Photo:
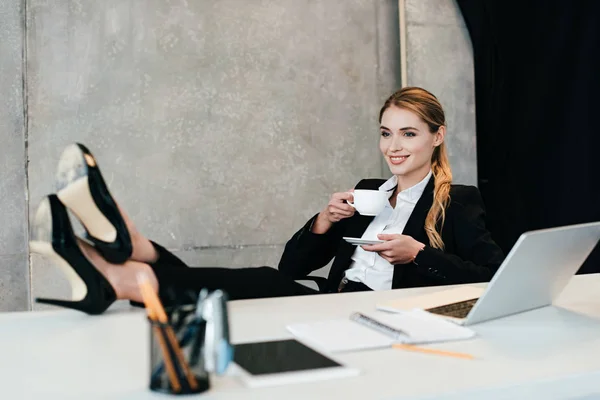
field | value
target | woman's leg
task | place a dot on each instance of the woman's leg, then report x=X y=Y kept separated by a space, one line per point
x=142 y=249
x=174 y=276
x=173 y=279
x=122 y=277
x=173 y=283
x=238 y=283
x=84 y=191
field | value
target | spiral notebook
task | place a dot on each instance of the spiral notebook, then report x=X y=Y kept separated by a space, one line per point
x=378 y=330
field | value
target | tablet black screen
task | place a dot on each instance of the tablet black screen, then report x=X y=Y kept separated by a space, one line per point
x=262 y=358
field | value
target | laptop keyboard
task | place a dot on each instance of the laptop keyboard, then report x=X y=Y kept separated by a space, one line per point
x=456 y=310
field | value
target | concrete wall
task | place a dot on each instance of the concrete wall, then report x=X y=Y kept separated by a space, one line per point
x=219 y=126
x=14 y=265
x=439 y=57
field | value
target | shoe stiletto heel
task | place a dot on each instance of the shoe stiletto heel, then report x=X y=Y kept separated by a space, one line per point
x=82 y=189
x=52 y=236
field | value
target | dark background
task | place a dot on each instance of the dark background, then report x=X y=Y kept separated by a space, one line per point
x=537 y=78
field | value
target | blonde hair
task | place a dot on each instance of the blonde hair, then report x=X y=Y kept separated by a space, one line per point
x=429 y=109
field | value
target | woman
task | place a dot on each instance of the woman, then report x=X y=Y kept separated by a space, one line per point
x=433 y=232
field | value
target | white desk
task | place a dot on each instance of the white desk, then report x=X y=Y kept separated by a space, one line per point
x=551 y=351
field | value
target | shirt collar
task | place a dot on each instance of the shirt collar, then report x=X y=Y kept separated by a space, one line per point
x=410 y=195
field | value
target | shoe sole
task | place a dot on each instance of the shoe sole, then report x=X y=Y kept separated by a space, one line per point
x=78 y=287
x=74 y=193
x=42 y=245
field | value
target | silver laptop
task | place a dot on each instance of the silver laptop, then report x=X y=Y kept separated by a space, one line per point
x=534 y=273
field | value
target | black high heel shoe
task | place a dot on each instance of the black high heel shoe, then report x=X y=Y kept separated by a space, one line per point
x=81 y=188
x=52 y=236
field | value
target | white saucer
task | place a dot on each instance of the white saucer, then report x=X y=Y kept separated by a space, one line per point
x=358 y=241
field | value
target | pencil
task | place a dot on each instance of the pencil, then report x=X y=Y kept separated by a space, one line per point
x=409 y=347
x=161 y=340
x=152 y=301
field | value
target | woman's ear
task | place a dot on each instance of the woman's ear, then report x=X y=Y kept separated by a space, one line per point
x=439 y=136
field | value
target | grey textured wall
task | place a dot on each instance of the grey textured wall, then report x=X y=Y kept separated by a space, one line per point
x=14 y=265
x=219 y=126
x=439 y=57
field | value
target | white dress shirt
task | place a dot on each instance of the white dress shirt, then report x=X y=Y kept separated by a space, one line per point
x=369 y=267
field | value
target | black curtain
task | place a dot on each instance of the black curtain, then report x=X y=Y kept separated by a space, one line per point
x=537 y=78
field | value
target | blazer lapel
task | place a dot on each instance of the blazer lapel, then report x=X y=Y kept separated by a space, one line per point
x=415 y=226
x=357 y=225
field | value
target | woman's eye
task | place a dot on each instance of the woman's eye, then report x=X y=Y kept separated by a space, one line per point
x=409 y=134
x=385 y=134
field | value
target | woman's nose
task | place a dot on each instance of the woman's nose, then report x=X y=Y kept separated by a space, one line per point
x=396 y=144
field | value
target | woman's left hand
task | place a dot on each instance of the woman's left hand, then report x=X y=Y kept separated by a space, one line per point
x=397 y=249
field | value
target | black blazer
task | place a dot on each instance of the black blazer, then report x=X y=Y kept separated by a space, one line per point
x=470 y=254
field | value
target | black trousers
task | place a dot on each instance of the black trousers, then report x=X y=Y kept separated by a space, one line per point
x=175 y=279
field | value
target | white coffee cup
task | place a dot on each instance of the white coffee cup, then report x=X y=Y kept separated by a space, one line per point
x=369 y=202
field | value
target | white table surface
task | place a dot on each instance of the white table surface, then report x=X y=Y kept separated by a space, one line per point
x=550 y=353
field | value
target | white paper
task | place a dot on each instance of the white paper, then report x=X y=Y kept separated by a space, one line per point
x=339 y=335
x=346 y=335
x=424 y=327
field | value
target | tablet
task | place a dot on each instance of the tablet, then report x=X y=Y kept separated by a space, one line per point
x=282 y=362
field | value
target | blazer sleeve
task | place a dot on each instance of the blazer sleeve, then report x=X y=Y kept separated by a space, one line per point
x=306 y=251
x=477 y=257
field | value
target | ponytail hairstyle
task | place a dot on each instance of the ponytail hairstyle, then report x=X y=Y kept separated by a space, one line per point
x=429 y=109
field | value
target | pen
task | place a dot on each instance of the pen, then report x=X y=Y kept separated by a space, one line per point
x=409 y=347
x=378 y=326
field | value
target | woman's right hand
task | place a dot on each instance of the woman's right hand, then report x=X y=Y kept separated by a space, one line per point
x=336 y=210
